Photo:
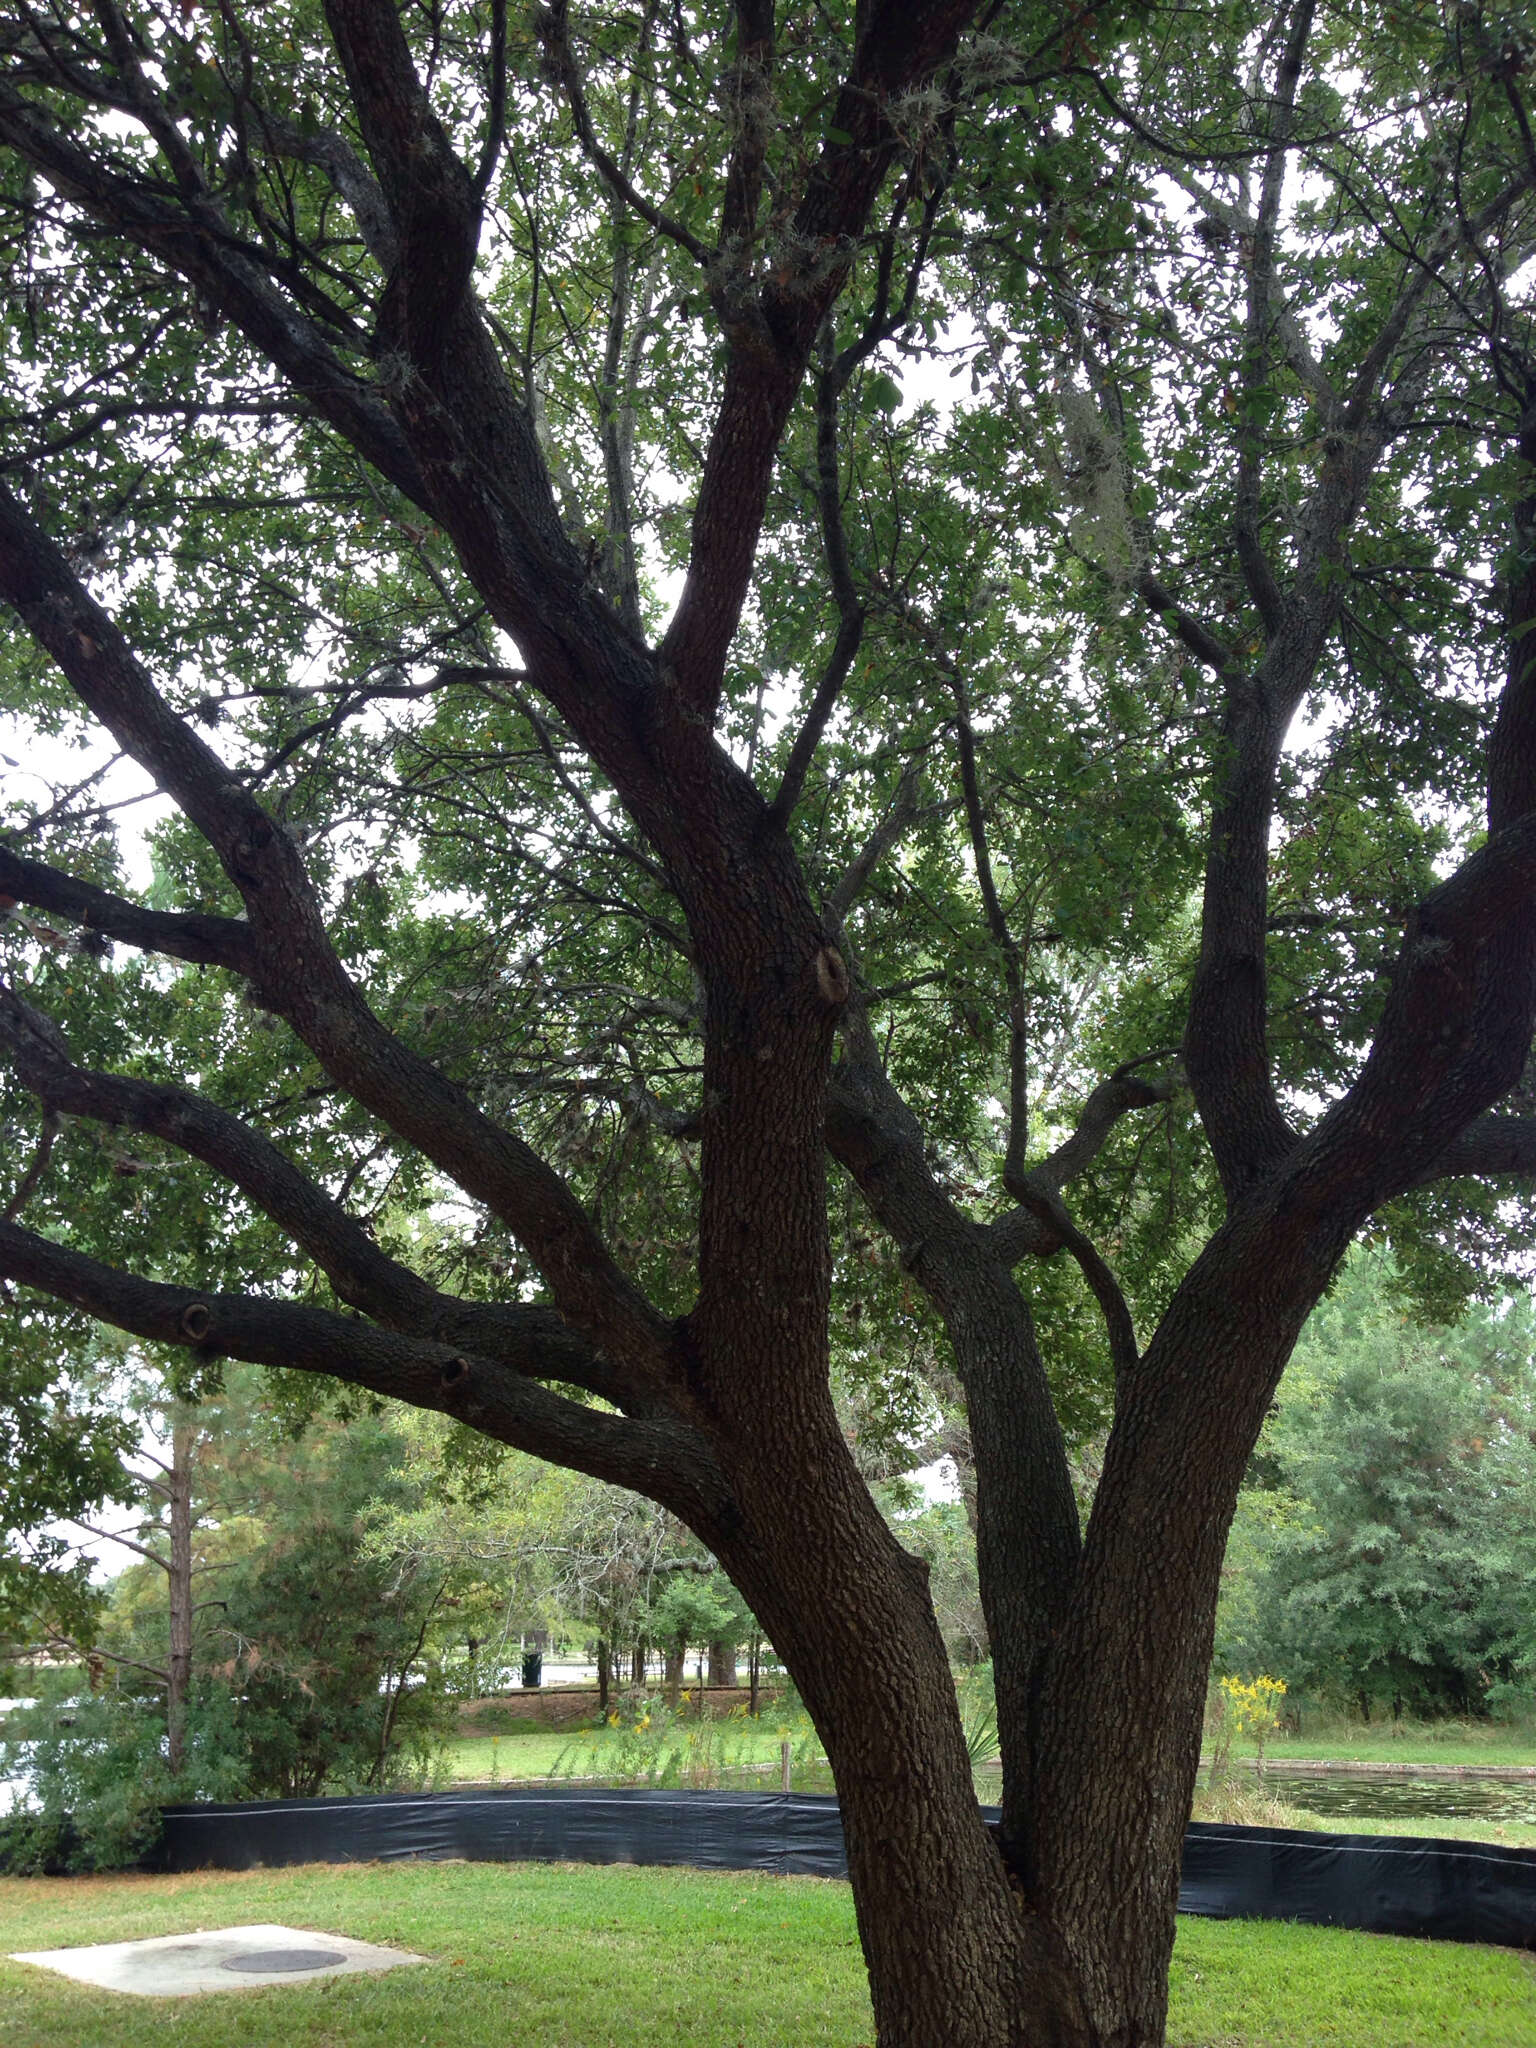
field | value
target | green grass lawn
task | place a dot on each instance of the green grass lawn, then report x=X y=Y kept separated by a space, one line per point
x=563 y=1956
x=513 y=1759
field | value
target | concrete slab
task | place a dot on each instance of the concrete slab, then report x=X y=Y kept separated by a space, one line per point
x=226 y=1959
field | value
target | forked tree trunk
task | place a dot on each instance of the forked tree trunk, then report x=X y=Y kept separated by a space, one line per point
x=1067 y=1944
x=953 y=1957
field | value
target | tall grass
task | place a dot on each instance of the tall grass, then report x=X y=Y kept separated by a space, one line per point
x=645 y=1743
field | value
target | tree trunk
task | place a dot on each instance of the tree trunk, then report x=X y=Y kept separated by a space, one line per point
x=179 y=1668
x=637 y=1663
x=604 y=1674
x=754 y=1670
x=1067 y=1944
x=676 y=1656
x=722 y=1663
x=1118 y=1721
x=954 y=1954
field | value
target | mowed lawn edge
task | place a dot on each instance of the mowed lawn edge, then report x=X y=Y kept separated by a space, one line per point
x=581 y=1956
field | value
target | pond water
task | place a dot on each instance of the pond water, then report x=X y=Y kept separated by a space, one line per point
x=1369 y=1797
x=1344 y=1797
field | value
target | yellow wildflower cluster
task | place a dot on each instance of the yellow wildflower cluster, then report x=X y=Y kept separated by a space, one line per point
x=1254 y=1703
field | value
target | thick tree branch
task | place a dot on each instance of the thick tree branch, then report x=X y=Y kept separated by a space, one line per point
x=204 y=940
x=1489 y=1148
x=1113 y=1098
x=1455 y=1034
x=429 y=193
x=530 y=1340
x=1195 y=635
x=771 y=330
x=227 y=275
x=1027 y=1533
x=1052 y=1211
x=752 y=110
x=496 y=110
x=1259 y=339
x=296 y=971
x=348 y=174
x=668 y=1462
x=474 y=440
x=1042 y=1222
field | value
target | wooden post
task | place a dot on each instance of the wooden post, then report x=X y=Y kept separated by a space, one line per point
x=784 y=1765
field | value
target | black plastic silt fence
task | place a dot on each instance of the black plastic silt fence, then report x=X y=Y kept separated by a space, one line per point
x=1453 y=1891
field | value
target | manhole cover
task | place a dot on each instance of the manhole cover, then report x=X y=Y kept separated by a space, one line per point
x=274 y=1959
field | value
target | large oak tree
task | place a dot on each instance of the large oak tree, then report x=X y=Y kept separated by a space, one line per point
x=626 y=742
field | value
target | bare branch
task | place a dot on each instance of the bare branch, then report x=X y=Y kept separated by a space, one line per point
x=127 y=1542
x=553 y=24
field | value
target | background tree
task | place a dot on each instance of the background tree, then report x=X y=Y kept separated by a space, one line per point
x=531 y=1547
x=62 y=1445
x=264 y=1645
x=1381 y=1555
x=619 y=746
x=324 y=1638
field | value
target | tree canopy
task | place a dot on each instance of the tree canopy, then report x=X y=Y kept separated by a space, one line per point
x=545 y=717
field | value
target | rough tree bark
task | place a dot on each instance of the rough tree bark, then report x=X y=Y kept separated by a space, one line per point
x=1057 y=1933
